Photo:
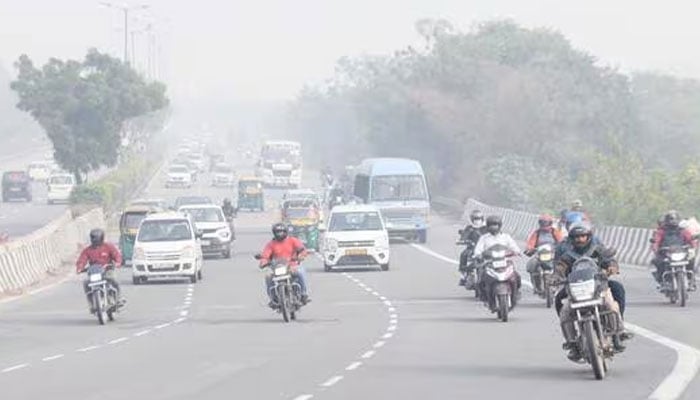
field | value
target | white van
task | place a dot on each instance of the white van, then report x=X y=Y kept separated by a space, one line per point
x=60 y=185
x=167 y=246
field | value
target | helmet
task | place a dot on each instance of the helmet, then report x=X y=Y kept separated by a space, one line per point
x=545 y=221
x=494 y=224
x=97 y=237
x=577 y=205
x=672 y=219
x=578 y=231
x=279 y=231
x=227 y=202
x=477 y=218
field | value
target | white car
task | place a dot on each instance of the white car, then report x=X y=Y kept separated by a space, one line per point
x=197 y=159
x=179 y=175
x=355 y=236
x=217 y=236
x=39 y=170
x=167 y=246
x=60 y=185
x=223 y=175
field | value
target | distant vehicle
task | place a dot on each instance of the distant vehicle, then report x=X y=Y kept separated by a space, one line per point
x=60 y=186
x=197 y=159
x=16 y=185
x=214 y=160
x=191 y=200
x=223 y=175
x=217 y=236
x=179 y=175
x=280 y=163
x=167 y=246
x=398 y=187
x=39 y=170
x=160 y=203
x=356 y=236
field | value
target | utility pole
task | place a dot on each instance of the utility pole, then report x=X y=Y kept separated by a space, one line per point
x=125 y=8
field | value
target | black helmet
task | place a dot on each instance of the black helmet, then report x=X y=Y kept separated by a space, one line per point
x=477 y=218
x=97 y=237
x=672 y=219
x=579 y=229
x=279 y=231
x=494 y=224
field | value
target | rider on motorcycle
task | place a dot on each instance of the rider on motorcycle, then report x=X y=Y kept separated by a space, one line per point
x=470 y=236
x=670 y=234
x=544 y=234
x=494 y=237
x=104 y=254
x=283 y=246
x=582 y=243
x=228 y=209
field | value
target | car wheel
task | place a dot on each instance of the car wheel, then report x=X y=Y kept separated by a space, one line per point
x=384 y=267
x=199 y=274
x=49 y=202
x=193 y=278
x=135 y=280
x=227 y=252
x=422 y=236
x=327 y=267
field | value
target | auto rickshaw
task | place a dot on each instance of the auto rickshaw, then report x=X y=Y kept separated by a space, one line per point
x=128 y=228
x=302 y=219
x=250 y=194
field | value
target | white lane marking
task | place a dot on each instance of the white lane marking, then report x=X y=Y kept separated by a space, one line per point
x=147 y=331
x=687 y=362
x=392 y=309
x=375 y=293
x=51 y=358
x=161 y=326
x=89 y=348
x=387 y=303
x=368 y=354
x=121 y=339
x=387 y=335
x=332 y=381
x=391 y=328
x=183 y=313
x=181 y=319
x=382 y=298
x=353 y=366
x=14 y=368
x=379 y=344
x=304 y=397
x=393 y=316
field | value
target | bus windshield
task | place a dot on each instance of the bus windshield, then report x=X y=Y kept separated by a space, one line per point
x=398 y=188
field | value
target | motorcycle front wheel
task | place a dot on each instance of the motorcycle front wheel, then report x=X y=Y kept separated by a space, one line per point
x=593 y=350
x=503 y=307
x=283 y=299
x=99 y=307
x=683 y=287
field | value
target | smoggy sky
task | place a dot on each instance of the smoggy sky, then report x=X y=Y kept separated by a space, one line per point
x=267 y=49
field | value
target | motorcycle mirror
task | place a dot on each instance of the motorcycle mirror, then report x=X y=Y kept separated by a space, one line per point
x=651 y=240
x=257 y=256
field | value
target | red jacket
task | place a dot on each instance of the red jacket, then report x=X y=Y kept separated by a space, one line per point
x=286 y=249
x=660 y=233
x=104 y=254
x=557 y=234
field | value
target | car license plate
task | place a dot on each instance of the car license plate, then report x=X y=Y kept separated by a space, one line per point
x=205 y=243
x=356 y=252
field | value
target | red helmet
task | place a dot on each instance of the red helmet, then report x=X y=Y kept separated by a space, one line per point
x=545 y=220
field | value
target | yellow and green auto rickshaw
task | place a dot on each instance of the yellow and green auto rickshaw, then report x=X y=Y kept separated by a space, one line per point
x=128 y=228
x=302 y=217
x=250 y=194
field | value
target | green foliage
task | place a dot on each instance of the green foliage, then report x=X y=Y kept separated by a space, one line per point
x=83 y=106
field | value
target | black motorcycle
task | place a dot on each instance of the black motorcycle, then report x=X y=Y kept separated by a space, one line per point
x=678 y=277
x=102 y=294
x=285 y=289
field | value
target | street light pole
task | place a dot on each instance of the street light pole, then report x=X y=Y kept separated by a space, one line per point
x=125 y=8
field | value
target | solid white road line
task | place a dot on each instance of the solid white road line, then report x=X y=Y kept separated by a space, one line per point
x=353 y=366
x=332 y=381
x=688 y=357
x=51 y=358
x=14 y=368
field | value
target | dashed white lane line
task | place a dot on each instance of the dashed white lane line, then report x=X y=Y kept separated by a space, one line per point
x=368 y=354
x=51 y=358
x=120 y=340
x=89 y=348
x=353 y=366
x=181 y=319
x=304 y=397
x=687 y=362
x=161 y=326
x=145 y=332
x=14 y=368
x=387 y=335
x=332 y=381
x=379 y=344
x=183 y=313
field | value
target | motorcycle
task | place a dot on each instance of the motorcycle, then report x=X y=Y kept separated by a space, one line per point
x=597 y=328
x=286 y=289
x=102 y=294
x=545 y=269
x=677 y=277
x=499 y=281
x=470 y=275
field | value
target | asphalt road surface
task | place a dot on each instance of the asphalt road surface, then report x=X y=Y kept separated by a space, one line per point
x=408 y=333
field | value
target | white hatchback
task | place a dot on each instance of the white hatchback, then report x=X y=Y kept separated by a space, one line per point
x=60 y=186
x=356 y=236
x=167 y=246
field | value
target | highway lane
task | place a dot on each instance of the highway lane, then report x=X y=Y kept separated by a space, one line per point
x=430 y=340
x=18 y=217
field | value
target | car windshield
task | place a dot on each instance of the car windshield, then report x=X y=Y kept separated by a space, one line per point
x=182 y=201
x=180 y=169
x=164 y=231
x=298 y=212
x=355 y=221
x=398 y=188
x=61 y=180
x=133 y=220
x=205 y=214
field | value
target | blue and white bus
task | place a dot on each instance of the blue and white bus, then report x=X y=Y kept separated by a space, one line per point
x=397 y=186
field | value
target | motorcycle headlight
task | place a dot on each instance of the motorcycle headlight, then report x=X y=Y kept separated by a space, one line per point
x=679 y=256
x=95 y=277
x=188 y=252
x=279 y=271
x=582 y=291
x=546 y=257
x=498 y=254
x=331 y=244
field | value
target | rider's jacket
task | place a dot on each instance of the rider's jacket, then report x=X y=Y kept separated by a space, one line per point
x=672 y=237
x=566 y=254
x=289 y=249
x=472 y=234
x=487 y=241
x=103 y=254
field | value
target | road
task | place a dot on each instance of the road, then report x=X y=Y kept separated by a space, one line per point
x=407 y=333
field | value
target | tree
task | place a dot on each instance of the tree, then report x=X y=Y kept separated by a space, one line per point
x=83 y=106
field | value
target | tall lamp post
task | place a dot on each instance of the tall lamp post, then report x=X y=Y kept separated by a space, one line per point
x=125 y=8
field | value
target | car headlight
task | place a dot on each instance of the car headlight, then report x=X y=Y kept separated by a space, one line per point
x=139 y=254
x=188 y=252
x=331 y=245
x=224 y=233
